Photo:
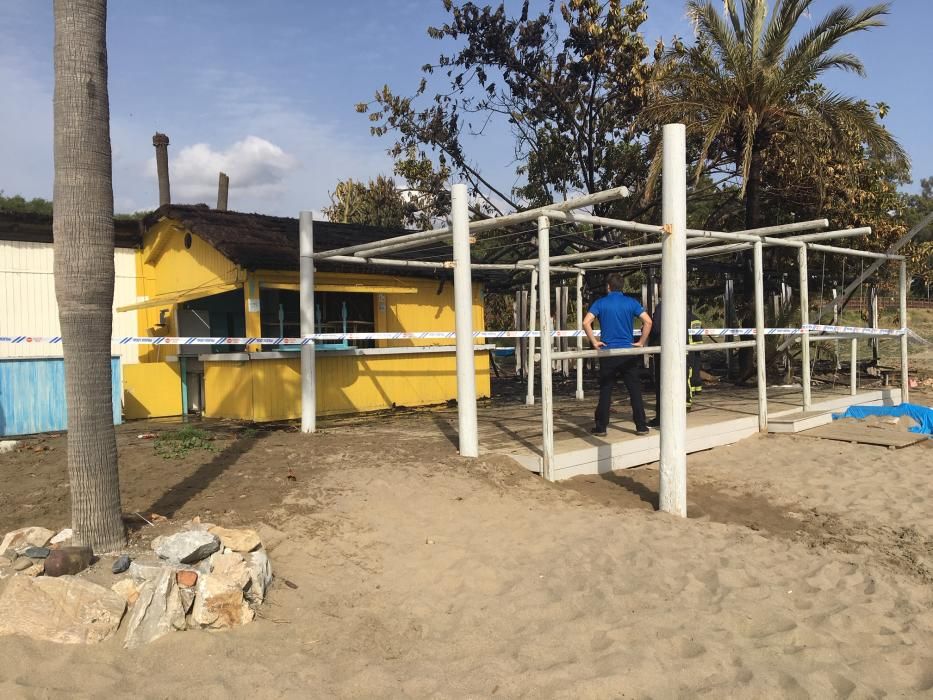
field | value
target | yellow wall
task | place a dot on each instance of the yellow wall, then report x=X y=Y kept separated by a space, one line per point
x=268 y=390
x=165 y=266
x=151 y=390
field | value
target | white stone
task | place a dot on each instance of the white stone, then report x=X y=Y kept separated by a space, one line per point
x=186 y=547
x=219 y=603
x=20 y=540
x=8 y=446
x=158 y=611
x=260 y=574
x=66 y=609
x=63 y=536
x=146 y=571
x=231 y=566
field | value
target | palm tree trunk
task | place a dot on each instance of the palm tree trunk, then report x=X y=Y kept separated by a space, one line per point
x=84 y=267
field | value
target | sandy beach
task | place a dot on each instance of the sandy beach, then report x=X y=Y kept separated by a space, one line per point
x=803 y=571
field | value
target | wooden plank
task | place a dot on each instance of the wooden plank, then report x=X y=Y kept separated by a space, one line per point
x=866 y=435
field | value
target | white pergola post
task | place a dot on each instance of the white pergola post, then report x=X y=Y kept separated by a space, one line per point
x=544 y=300
x=853 y=367
x=760 y=360
x=902 y=295
x=532 y=325
x=463 y=321
x=306 y=311
x=579 y=337
x=673 y=463
x=804 y=321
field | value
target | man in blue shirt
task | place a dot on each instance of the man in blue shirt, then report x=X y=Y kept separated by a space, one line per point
x=616 y=313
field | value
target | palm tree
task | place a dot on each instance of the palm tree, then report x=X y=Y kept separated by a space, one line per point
x=84 y=270
x=743 y=83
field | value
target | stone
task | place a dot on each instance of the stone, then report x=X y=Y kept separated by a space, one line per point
x=22 y=564
x=260 y=575
x=64 y=536
x=237 y=540
x=8 y=446
x=5 y=562
x=187 y=598
x=231 y=566
x=186 y=578
x=158 y=611
x=65 y=610
x=146 y=571
x=219 y=603
x=18 y=540
x=186 y=547
x=37 y=552
x=68 y=560
x=36 y=569
x=121 y=564
x=127 y=589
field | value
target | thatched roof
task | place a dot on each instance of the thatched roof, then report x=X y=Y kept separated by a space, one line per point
x=37 y=228
x=261 y=242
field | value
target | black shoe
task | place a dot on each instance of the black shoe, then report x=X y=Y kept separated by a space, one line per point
x=642 y=431
x=654 y=423
x=598 y=432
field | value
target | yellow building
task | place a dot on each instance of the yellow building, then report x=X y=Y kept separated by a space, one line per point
x=209 y=273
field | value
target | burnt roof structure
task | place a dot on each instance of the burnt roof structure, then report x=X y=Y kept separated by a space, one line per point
x=30 y=227
x=262 y=242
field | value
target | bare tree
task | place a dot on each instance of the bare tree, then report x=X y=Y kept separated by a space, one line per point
x=84 y=267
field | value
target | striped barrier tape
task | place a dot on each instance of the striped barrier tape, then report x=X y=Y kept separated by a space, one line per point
x=441 y=335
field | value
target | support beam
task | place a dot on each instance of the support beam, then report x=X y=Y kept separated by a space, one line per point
x=853 y=367
x=306 y=313
x=463 y=322
x=903 y=284
x=804 y=320
x=544 y=299
x=875 y=266
x=579 y=337
x=532 y=326
x=673 y=453
x=760 y=360
x=413 y=240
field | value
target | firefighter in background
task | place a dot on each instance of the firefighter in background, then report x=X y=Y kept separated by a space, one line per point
x=694 y=382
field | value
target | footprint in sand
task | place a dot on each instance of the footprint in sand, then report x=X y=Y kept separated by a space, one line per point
x=600 y=642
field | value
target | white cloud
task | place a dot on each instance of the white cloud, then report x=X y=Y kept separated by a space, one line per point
x=255 y=166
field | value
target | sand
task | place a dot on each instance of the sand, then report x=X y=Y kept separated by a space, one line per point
x=804 y=572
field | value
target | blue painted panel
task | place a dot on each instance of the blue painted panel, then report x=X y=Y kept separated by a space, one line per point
x=32 y=395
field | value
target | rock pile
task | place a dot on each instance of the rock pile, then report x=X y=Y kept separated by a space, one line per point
x=202 y=577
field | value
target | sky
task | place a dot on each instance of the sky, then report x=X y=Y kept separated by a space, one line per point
x=265 y=91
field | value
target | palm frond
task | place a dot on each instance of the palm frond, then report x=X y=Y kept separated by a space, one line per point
x=711 y=24
x=836 y=25
x=845 y=114
x=782 y=24
x=750 y=124
x=755 y=12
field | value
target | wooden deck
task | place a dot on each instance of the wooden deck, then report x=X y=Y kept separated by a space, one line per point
x=721 y=416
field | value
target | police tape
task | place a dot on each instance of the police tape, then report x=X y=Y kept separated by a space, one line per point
x=323 y=338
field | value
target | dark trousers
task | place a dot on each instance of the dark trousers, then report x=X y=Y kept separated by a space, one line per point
x=610 y=368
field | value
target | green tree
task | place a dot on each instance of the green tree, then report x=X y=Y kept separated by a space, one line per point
x=378 y=203
x=743 y=85
x=84 y=267
x=17 y=203
x=569 y=84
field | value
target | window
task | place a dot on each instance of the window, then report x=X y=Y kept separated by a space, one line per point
x=335 y=312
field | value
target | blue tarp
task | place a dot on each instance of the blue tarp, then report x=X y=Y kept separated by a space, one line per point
x=922 y=415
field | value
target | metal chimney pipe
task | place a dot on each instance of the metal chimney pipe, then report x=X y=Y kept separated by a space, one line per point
x=160 y=141
x=223 y=187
